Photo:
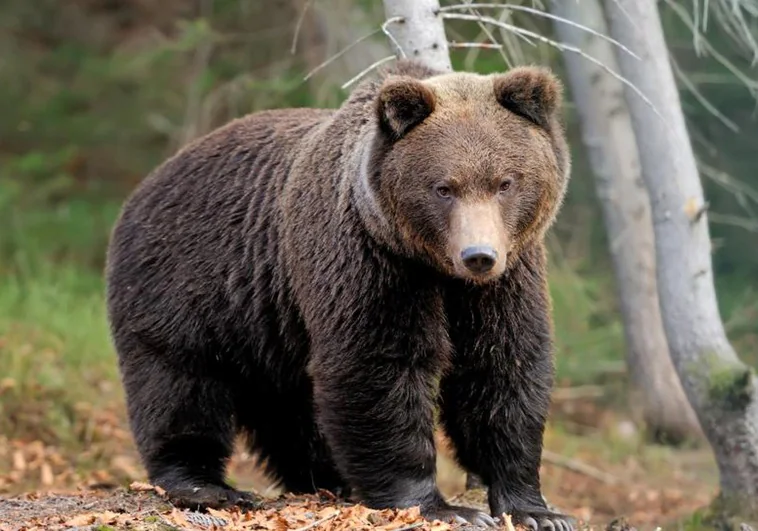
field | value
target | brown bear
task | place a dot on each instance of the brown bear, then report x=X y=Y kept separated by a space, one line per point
x=327 y=281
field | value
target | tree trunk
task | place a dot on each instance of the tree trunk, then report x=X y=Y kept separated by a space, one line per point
x=719 y=386
x=609 y=139
x=420 y=33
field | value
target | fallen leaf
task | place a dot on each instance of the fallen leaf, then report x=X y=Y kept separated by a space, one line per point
x=81 y=520
x=140 y=486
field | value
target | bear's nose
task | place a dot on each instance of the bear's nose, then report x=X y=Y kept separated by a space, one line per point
x=479 y=259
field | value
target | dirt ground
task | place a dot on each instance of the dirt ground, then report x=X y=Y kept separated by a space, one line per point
x=592 y=469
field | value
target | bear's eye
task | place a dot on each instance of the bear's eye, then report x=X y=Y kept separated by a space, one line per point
x=444 y=191
x=505 y=185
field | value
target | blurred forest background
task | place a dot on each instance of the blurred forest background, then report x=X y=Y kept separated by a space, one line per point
x=95 y=93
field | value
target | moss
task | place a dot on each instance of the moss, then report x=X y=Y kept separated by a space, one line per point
x=726 y=384
x=725 y=513
x=731 y=386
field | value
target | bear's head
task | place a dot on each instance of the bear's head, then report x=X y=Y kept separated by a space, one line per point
x=468 y=170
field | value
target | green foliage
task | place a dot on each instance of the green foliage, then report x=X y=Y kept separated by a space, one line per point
x=54 y=344
x=589 y=336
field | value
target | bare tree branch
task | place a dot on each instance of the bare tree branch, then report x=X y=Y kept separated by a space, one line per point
x=483 y=45
x=578 y=466
x=350 y=46
x=684 y=16
x=728 y=182
x=735 y=221
x=299 y=26
x=699 y=96
x=560 y=46
x=542 y=14
x=730 y=15
x=389 y=35
x=368 y=69
x=488 y=33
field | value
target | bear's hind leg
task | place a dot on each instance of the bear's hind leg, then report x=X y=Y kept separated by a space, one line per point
x=183 y=427
x=288 y=441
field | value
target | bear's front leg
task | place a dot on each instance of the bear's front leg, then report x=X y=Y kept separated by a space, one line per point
x=495 y=399
x=374 y=387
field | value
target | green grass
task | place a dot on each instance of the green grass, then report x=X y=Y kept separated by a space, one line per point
x=53 y=327
x=55 y=349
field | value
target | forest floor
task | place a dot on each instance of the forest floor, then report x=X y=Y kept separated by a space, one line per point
x=596 y=467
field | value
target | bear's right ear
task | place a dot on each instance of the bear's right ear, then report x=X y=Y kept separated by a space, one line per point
x=402 y=104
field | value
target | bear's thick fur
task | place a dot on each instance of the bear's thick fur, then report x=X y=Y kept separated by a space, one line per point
x=325 y=280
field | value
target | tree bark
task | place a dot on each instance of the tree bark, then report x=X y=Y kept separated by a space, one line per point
x=420 y=33
x=720 y=387
x=609 y=139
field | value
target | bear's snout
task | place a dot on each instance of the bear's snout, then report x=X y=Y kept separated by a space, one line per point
x=479 y=259
x=479 y=240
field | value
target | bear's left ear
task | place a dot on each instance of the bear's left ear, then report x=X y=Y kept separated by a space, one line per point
x=403 y=103
x=530 y=91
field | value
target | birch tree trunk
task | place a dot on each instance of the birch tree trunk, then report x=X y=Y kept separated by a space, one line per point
x=420 y=32
x=720 y=387
x=609 y=138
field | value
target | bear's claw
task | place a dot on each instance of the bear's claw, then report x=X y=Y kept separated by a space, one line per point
x=460 y=515
x=546 y=523
x=211 y=496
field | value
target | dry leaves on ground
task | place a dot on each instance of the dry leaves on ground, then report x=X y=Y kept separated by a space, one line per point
x=138 y=509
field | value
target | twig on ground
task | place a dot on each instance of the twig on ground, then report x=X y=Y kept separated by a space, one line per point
x=409 y=527
x=578 y=466
x=318 y=522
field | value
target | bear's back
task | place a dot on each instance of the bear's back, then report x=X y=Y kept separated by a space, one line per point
x=193 y=256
